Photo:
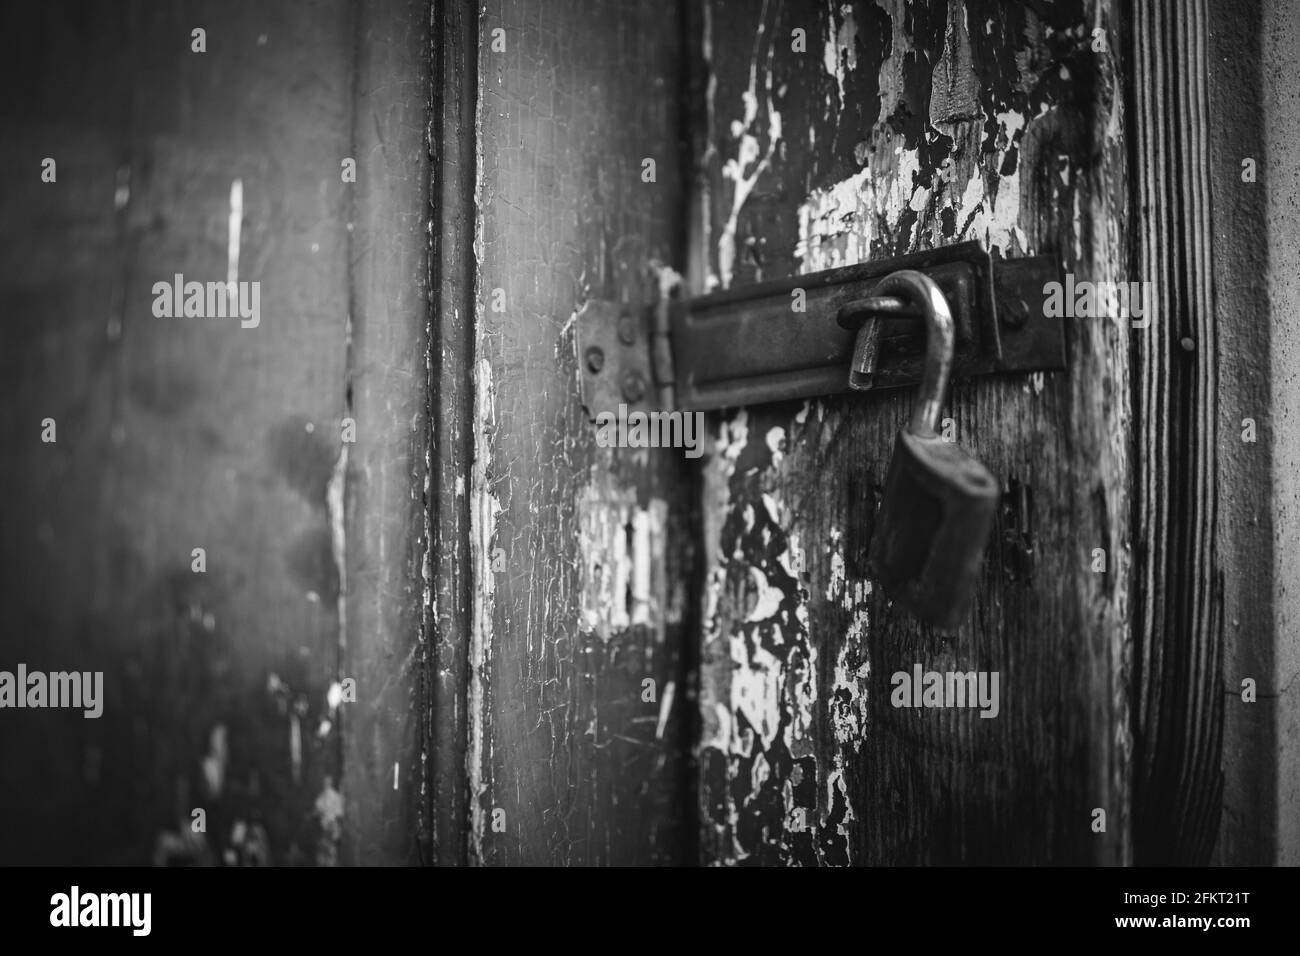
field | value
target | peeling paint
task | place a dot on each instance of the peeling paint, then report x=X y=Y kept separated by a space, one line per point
x=759 y=687
x=776 y=443
x=732 y=438
x=840 y=53
x=956 y=174
x=835 y=579
x=839 y=815
x=649 y=542
x=235 y=224
x=669 y=280
x=750 y=161
x=485 y=508
x=931 y=124
x=216 y=761
x=769 y=598
x=665 y=708
x=992 y=215
x=848 y=698
x=622 y=546
x=756 y=693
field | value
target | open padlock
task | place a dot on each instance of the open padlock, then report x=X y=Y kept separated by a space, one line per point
x=939 y=501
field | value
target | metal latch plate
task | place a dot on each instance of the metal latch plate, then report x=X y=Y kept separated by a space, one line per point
x=749 y=346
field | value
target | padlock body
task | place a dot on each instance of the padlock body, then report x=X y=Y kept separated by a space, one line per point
x=932 y=527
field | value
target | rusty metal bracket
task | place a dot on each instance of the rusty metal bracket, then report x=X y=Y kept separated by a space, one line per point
x=794 y=338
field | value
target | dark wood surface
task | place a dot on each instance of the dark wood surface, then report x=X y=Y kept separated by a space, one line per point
x=385 y=538
x=183 y=433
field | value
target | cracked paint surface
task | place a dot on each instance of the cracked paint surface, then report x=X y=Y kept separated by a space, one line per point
x=484 y=512
x=905 y=126
x=751 y=158
x=957 y=175
x=759 y=681
x=577 y=674
x=915 y=136
x=621 y=543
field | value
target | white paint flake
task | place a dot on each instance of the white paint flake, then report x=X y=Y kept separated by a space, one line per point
x=840 y=52
x=756 y=688
x=485 y=509
x=775 y=441
x=848 y=698
x=768 y=600
x=750 y=160
x=835 y=580
x=235 y=224
x=623 y=579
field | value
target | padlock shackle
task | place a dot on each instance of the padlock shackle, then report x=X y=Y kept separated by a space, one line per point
x=922 y=291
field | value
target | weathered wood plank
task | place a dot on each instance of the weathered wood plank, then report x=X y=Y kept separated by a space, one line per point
x=578 y=597
x=381 y=495
x=453 y=142
x=892 y=128
x=173 y=433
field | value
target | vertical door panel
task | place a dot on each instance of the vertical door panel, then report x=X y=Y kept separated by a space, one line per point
x=838 y=133
x=577 y=599
x=174 y=433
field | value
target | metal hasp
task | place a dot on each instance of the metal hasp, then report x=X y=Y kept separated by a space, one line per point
x=753 y=345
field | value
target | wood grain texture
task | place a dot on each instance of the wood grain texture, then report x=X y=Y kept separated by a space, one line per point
x=383 y=479
x=578 y=593
x=1178 y=781
x=902 y=127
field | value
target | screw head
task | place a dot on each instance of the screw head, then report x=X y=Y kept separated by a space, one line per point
x=627 y=329
x=1013 y=312
x=633 y=387
x=595 y=359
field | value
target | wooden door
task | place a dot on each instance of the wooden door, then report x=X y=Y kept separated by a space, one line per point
x=653 y=660
x=828 y=134
x=559 y=653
